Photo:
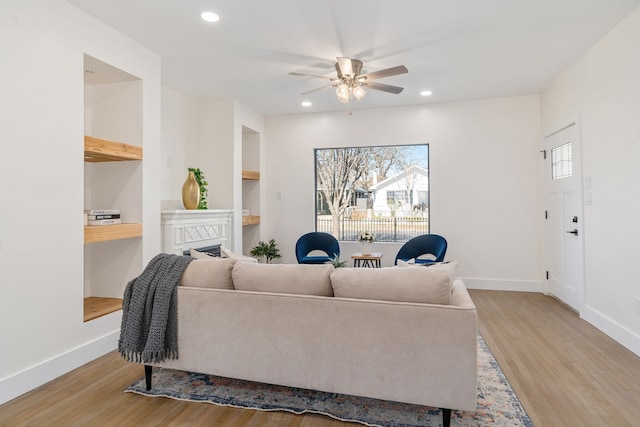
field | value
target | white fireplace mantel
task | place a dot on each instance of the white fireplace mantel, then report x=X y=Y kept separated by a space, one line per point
x=186 y=229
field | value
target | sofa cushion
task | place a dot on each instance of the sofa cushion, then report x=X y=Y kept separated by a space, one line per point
x=209 y=272
x=284 y=278
x=421 y=285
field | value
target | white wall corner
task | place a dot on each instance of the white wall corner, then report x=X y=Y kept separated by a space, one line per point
x=35 y=376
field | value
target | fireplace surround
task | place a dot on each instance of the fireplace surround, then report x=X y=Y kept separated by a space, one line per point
x=203 y=229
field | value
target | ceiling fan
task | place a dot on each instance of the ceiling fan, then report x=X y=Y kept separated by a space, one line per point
x=350 y=82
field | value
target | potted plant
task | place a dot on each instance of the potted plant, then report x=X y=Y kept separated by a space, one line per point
x=335 y=261
x=267 y=250
x=366 y=239
x=202 y=183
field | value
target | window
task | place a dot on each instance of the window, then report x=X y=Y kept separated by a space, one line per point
x=383 y=190
x=561 y=161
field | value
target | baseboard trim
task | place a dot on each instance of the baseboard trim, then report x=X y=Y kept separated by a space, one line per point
x=504 y=285
x=618 y=332
x=37 y=375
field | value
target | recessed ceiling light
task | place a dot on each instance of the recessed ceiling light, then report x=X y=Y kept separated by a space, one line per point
x=426 y=93
x=210 y=16
x=306 y=104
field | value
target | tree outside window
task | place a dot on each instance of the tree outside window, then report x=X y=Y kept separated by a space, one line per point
x=382 y=189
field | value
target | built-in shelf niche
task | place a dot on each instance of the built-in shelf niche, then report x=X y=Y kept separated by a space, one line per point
x=113 y=180
x=251 y=188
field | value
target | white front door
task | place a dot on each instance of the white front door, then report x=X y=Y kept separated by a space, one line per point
x=564 y=216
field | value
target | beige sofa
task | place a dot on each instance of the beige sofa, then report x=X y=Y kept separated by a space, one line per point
x=400 y=334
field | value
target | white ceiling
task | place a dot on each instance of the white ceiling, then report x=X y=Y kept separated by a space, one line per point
x=459 y=49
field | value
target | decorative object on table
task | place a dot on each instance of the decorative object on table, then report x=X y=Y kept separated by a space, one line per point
x=497 y=405
x=191 y=192
x=366 y=239
x=267 y=250
x=335 y=261
x=202 y=183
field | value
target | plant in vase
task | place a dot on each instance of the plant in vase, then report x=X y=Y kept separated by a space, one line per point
x=268 y=250
x=202 y=182
x=366 y=239
x=335 y=261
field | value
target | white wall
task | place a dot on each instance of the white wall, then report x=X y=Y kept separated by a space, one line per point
x=206 y=134
x=179 y=136
x=603 y=88
x=483 y=171
x=41 y=175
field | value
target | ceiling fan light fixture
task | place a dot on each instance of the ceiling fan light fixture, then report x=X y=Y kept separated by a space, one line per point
x=351 y=80
x=344 y=93
x=359 y=92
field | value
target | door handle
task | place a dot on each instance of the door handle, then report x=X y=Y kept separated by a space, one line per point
x=574 y=231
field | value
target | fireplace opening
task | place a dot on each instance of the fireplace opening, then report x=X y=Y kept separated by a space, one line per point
x=213 y=250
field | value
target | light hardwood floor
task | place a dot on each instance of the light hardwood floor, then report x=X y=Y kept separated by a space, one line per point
x=565 y=372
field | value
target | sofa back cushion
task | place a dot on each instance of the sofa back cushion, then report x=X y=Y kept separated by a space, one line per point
x=303 y=279
x=420 y=285
x=209 y=272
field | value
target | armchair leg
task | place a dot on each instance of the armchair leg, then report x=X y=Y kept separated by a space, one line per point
x=148 y=369
x=446 y=417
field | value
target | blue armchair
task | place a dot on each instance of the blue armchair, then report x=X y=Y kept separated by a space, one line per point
x=422 y=245
x=316 y=241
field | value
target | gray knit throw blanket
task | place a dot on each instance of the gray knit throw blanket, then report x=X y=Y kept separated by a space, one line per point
x=149 y=331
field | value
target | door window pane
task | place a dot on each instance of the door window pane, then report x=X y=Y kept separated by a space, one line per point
x=561 y=161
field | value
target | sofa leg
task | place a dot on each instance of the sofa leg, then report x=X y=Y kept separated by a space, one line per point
x=147 y=375
x=446 y=417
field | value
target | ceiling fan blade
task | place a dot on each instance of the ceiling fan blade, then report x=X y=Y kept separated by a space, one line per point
x=384 y=87
x=311 y=75
x=344 y=66
x=317 y=90
x=388 y=72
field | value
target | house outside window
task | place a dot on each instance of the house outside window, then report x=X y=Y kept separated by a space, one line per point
x=382 y=189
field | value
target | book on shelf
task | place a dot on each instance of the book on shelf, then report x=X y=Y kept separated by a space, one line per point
x=102 y=212
x=107 y=216
x=105 y=221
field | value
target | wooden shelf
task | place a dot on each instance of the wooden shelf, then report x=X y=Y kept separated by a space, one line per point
x=102 y=150
x=103 y=233
x=95 y=307
x=250 y=175
x=251 y=219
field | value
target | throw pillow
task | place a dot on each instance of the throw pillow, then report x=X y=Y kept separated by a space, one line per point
x=241 y=258
x=212 y=272
x=450 y=267
x=306 y=279
x=199 y=255
x=420 y=284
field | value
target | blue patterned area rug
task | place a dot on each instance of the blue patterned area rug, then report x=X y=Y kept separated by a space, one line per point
x=497 y=403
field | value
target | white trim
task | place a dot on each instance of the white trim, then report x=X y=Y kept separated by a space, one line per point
x=504 y=285
x=615 y=330
x=37 y=375
x=567 y=126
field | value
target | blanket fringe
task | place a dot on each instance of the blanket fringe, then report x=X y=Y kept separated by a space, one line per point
x=149 y=357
